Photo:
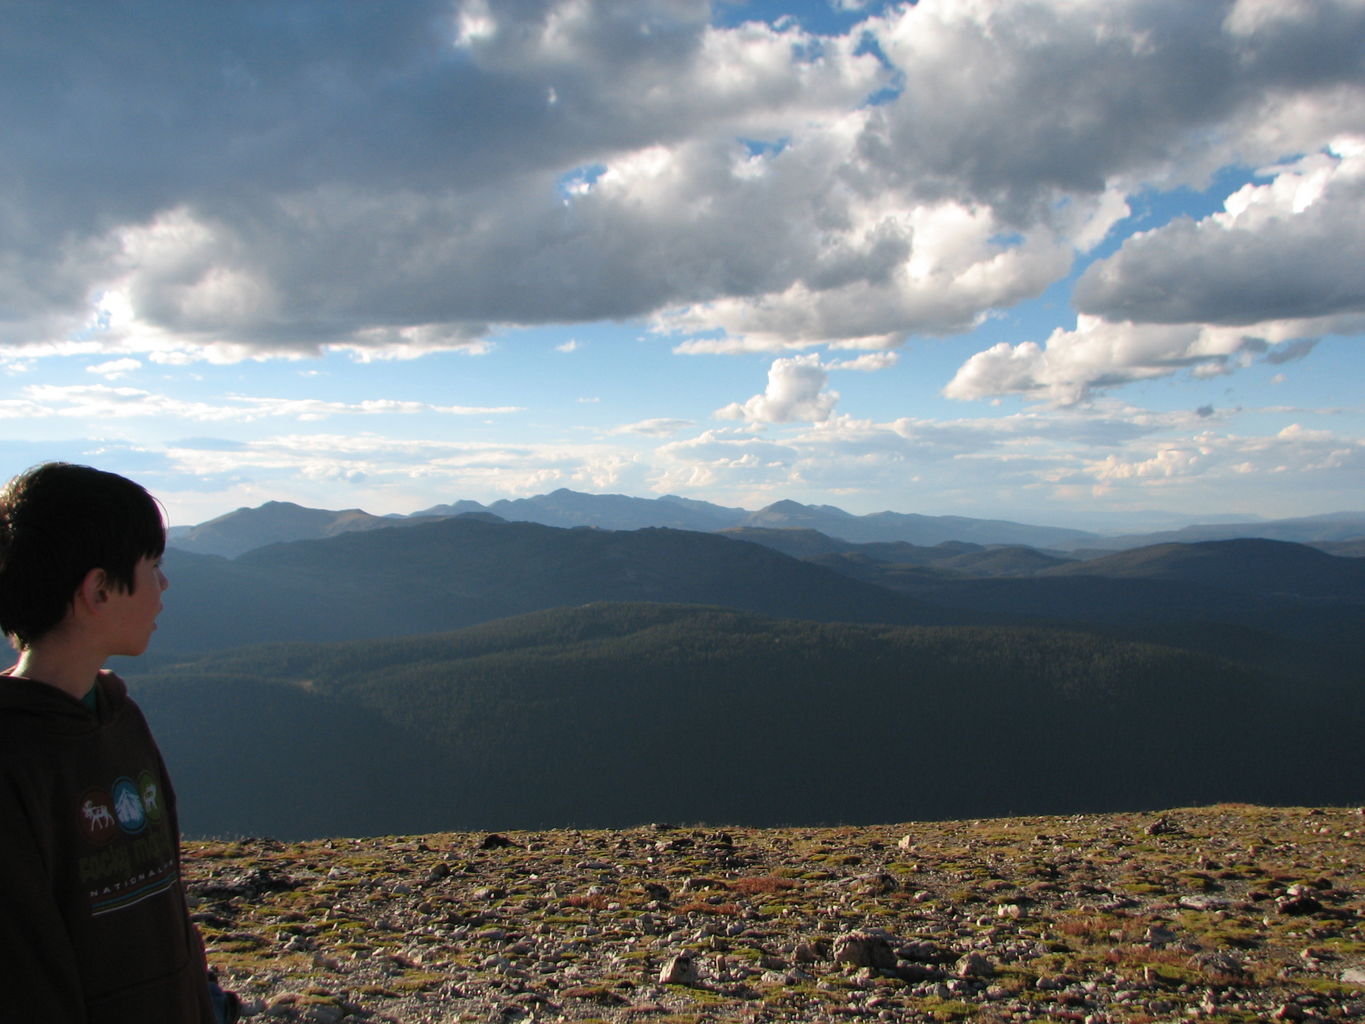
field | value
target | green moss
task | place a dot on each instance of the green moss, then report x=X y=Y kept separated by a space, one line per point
x=704 y=996
x=947 y=1009
x=415 y=980
x=1332 y=987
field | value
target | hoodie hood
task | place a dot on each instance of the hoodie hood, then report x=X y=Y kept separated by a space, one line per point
x=43 y=706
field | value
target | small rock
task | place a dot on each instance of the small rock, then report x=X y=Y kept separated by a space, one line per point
x=1298 y=905
x=1218 y=961
x=864 y=949
x=973 y=965
x=680 y=970
x=876 y=885
x=655 y=891
x=1198 y=902
x=1159 y=937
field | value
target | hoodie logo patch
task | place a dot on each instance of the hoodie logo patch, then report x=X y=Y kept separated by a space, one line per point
x=97 y=816
x=150 y=789
x=132 y=815
x=131 y=851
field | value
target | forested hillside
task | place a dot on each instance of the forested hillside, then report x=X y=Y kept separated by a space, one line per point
x=624 y=713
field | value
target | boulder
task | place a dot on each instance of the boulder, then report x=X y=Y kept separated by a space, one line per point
x=864 y=949
x=680 y=970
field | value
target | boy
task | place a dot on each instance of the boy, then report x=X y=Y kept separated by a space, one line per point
x=94 y=926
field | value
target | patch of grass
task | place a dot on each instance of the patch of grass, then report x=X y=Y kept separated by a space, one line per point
x=947 y=1009
x=591 y=901
x=414 y=980
x=702 y=907
x=1099 y=928
x=704 y=996
x=237 y=942
x=1332 y=987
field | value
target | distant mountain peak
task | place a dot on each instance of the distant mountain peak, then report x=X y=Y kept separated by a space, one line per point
x=788 y=507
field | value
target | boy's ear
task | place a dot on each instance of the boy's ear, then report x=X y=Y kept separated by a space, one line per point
x=93 y=590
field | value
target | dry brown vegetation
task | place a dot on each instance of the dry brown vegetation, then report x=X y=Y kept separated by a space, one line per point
x=1224 y=914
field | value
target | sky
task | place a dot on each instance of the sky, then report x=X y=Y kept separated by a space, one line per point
x=1094 y=263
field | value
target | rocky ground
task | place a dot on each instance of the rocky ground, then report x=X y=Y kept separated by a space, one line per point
x=1227 y=913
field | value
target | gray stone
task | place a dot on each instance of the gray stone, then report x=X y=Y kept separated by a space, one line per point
x=864 y=949
x=1159 y=937
x=973 y=965
x=1218 y=962
x=680 y=970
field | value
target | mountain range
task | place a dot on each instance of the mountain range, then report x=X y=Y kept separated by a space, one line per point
x=441 y=574
x=247 y=528
x=464 y=671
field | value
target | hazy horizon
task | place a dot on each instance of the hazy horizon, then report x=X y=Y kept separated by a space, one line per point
x=1137 y=521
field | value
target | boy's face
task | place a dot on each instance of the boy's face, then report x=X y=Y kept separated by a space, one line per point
x=134 y=613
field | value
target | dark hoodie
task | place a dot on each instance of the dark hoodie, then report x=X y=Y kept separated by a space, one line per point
x=94 y=928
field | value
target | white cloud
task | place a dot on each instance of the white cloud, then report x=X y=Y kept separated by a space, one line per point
x=364 y=230
x=930 y=268
x=659 y=427
x=1041 y=465
x=1289 y=249
x=1278 y=268
x=114 y=369
x=720 y=462
x=1167 y=462
x=729 y=180
x=1073 y=365
x=101 y=402
x=1212 y=462
x=795 y=391
x=870 y=362
x=383 y=474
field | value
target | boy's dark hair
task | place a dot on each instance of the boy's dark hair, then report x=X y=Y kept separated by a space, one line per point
x=57 y=522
